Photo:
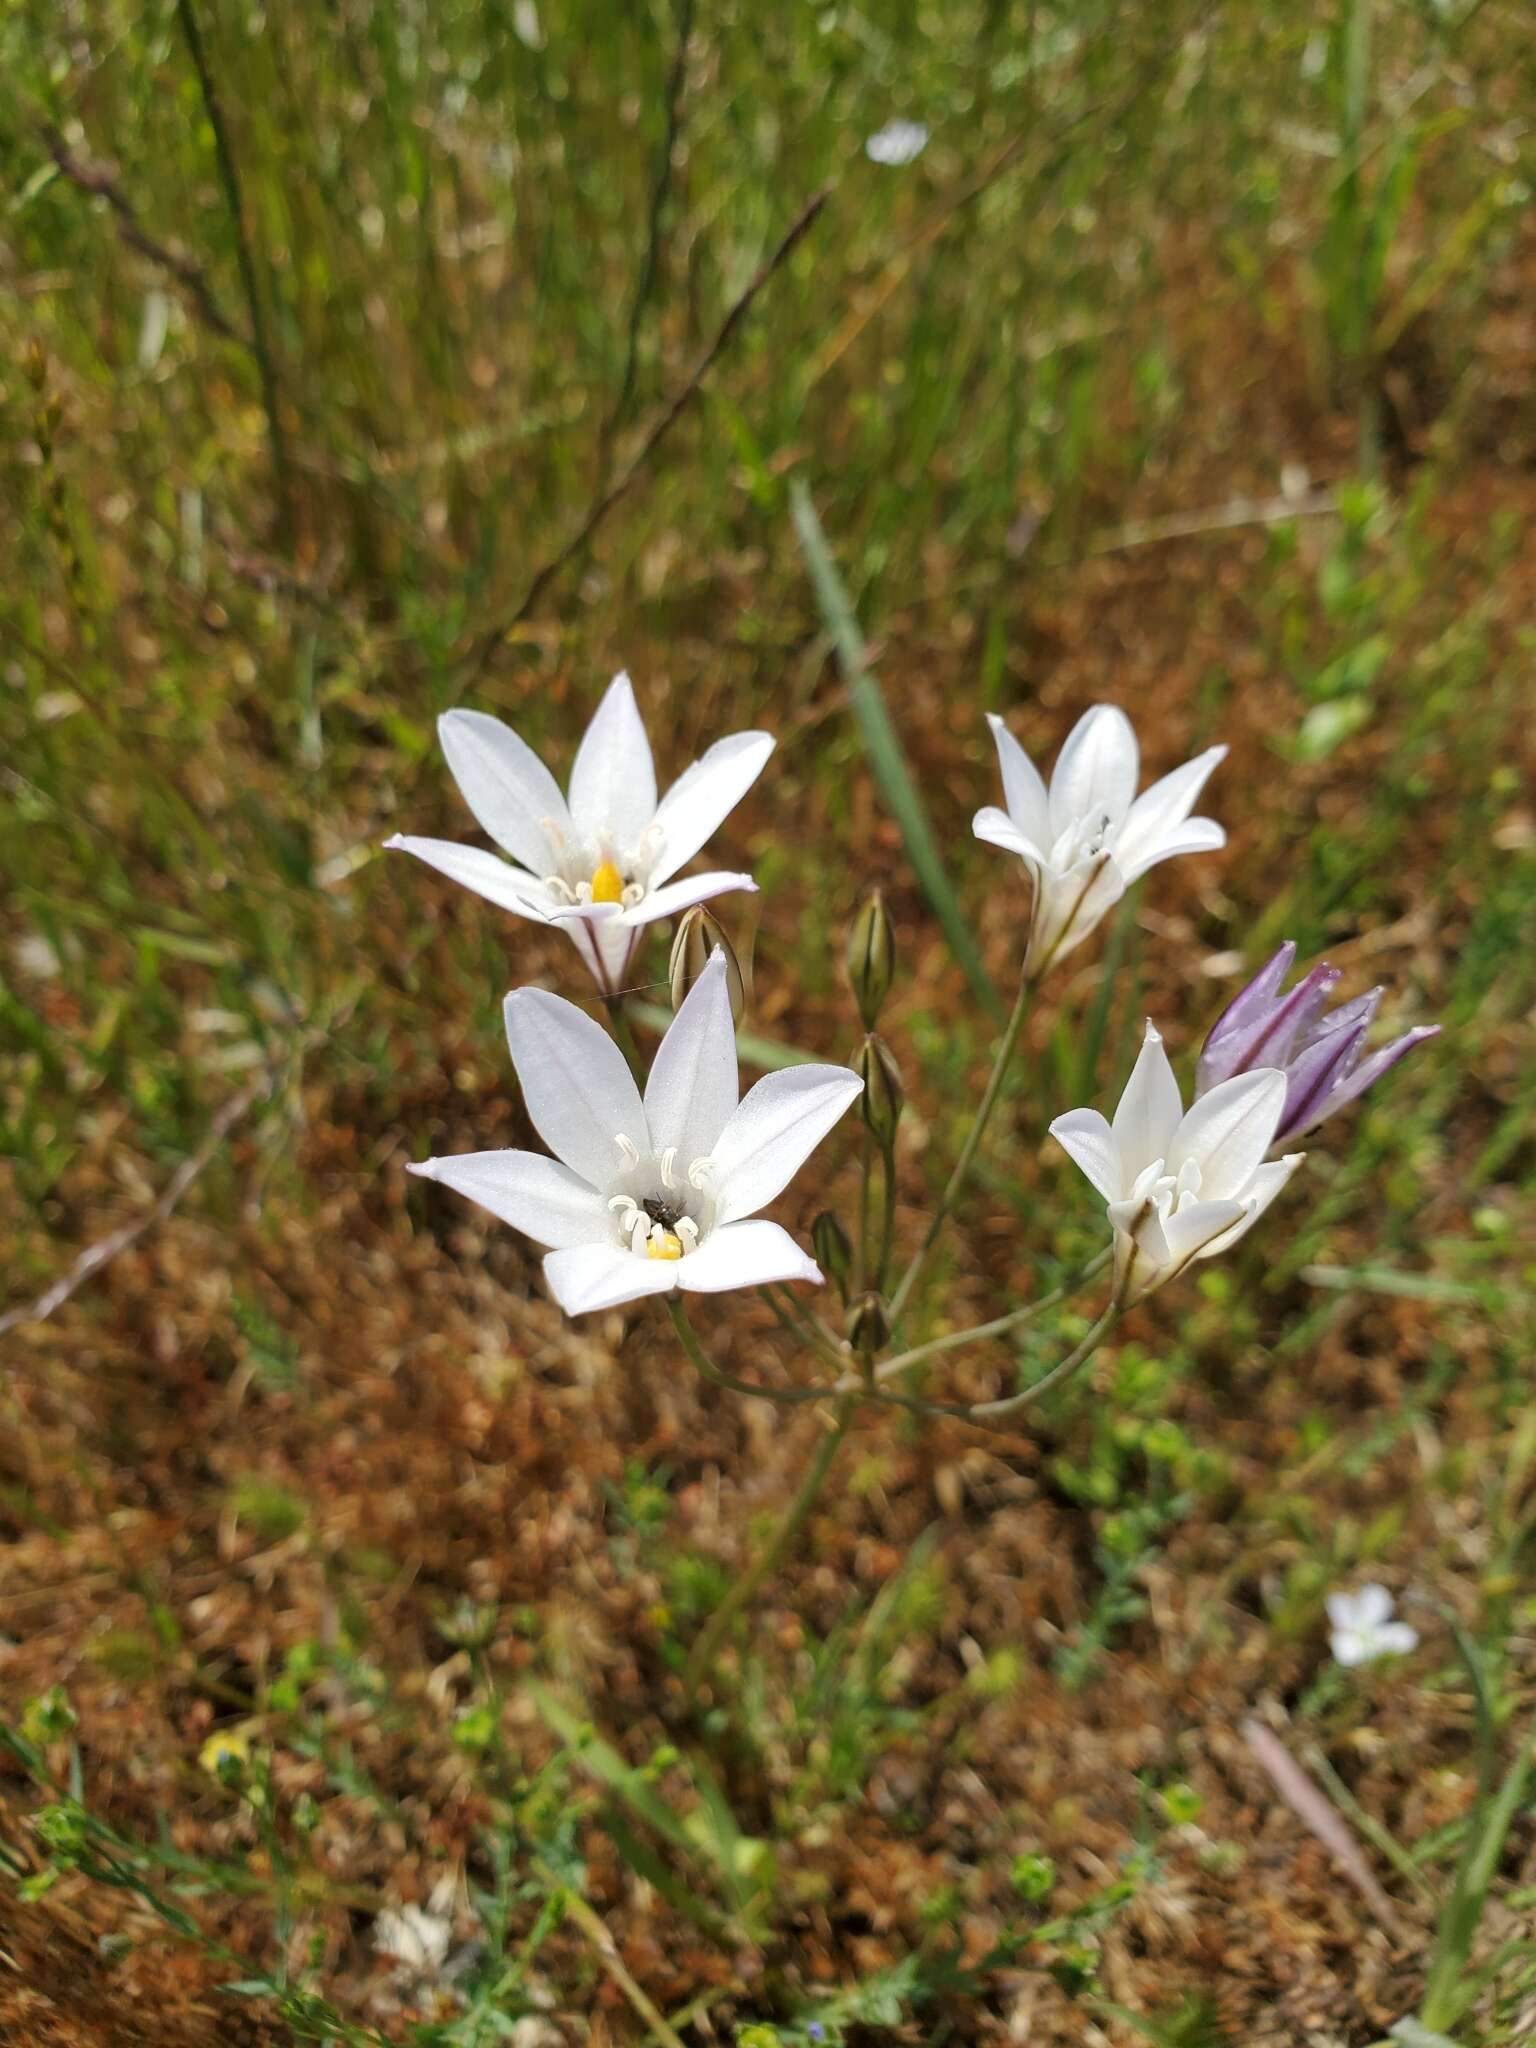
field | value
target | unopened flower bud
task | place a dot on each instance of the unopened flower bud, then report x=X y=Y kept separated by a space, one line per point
x=834 y=1252
x=868 y=1325
x=871 y=958
x=698 y=936
x=884 y=1097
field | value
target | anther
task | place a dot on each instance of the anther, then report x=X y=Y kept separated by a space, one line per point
x=665 y=1165
x=628 y=1147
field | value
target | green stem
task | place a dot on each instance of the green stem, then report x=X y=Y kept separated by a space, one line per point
x=701 y=1658
x=700 y=1360
x=866 y=1168
x=261 y=340
x=887 y=1216
x=892 y=1368
x=983 y=1413
x=968 y=1150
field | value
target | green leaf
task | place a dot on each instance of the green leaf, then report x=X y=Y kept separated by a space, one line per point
x=887 y=760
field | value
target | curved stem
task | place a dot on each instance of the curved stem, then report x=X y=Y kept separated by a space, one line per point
x=702 y=1656
x=699 y=1359
x=983 y=1413
x=806 y=1325
x=968 y=1150
x=889 y=1368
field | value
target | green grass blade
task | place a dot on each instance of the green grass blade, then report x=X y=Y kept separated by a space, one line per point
x=887 y=760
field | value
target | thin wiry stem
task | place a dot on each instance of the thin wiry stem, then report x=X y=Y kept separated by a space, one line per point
x=890 y=1368
x=702 y=1656
x=887 y=1216
x=261 y=340
x=962 y=1168
x=786 y=1397
x=984 y=1413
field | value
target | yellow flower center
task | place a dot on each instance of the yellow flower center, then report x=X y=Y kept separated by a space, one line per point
x=607 y=884
x=668 y=1247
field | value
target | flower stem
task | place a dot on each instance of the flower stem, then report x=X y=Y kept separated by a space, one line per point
x=701 y=1362
x=957 y=1179
x=890 y=1368
x=983 y=1413
x=701 y=1658
x=887 y=1215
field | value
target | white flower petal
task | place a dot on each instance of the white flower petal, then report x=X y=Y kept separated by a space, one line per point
x=1200 y=1229
x=505 y=784
x=704 y=794
x=1086 y=1138
x=1024 y=793
x=775 y=1127
x=1197 y=835
x=594 y=1276
x=1396 y=1638
x=672 y=897
x=1149 y=1110
x=998 y=829
x=1350 y=1648
x=1096 y=769
x=486 y=873
x=537 y=1196
x=1228 y=1132
x=578 y=1088
x=692 y=1089
x=613 y=780
x=605 y=943
x=1343 y=1609
x=1370 y=1607
x=1070 y=908
x=745 y=1255
x=1159 y=811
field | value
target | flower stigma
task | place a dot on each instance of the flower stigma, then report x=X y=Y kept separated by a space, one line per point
x=607 y=883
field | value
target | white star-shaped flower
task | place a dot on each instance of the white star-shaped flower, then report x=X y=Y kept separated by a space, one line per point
x=647 y=1195
x=601 y=861
x=1179 y=1185
x=1087 y=838
x=1362 y=1628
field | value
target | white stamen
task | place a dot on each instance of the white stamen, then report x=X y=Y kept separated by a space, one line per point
x=555 y=831
x=583 y=892
x=632 y=893
x=665 y=1163
x=688 y=1232
x=560 y=889
x=628 y=1147
x=629 y=1212
x=700 y=1172
x=639 y=1237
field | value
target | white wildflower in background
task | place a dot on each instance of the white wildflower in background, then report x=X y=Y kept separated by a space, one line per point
x=414 y=1938
x=601 y=861
x=1088 y=837
x=646 y=1196
x=1179 y=1185
x=1362 y=1628
x=898 y=142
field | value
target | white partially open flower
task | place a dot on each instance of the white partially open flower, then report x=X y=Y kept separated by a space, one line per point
x=1362 y=1628
x=1179 y=1186
x=645 y=1196
x=600 y=862
x=415 y=1938
x=1087 y=838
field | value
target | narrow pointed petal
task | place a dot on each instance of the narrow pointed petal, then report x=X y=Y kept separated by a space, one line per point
x=580 y=1093
x=1160 y=811
x=998 y=829
x=594 y=1276
x=1200 y=1229
x=672 y=897
x=537 y=1196
x=693 y=1085
x=1149 y=1110
x=1084 y=1135
x=1364 y=1075
x=1096 y=769
x=1269 y=1032
x=1248 y=1008
x=1024 y=793
x=505 y=784
x=1228 y=1132
x=1267 y=1182
x=1315 y=1079
x=1361 y=1011
x=486 y=873
x=745 y=1255
x=705 y=794
x=613 y=780
x=1196 y=835
x=775 y=1128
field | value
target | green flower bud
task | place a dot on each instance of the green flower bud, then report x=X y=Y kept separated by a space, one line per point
x=868 y=1326
x=698 y=936
x=834 y=1252
x=871 y=958
x=884 y=1097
